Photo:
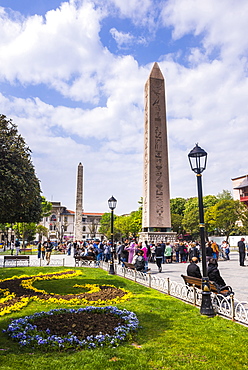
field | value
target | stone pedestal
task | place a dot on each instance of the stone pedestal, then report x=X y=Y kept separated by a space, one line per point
x=157 y=237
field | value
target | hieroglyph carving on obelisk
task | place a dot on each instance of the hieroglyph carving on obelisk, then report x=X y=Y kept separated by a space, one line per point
x=78 y=229
x=156 y=193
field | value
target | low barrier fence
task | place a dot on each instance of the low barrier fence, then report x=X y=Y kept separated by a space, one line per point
x=228 y=307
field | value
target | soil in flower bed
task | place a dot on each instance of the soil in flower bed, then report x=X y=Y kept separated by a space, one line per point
x=105 y=293
x=80 y=324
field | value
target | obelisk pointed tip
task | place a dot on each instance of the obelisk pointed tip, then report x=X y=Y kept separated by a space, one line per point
x=80 y=164
x=156 y=72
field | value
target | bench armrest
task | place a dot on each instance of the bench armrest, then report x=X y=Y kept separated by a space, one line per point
x=226 y=287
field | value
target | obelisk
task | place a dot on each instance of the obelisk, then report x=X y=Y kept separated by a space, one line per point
x=156 y=219
x=78 y=227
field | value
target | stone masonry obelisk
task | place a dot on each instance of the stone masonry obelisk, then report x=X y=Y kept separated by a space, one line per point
x=156 y=219
x=78 y=227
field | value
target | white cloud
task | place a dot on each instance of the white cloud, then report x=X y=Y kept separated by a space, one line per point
x=125 y=39
x=206 y=97
x=222 y=24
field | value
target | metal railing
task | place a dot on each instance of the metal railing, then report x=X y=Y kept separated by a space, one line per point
x=228 y=307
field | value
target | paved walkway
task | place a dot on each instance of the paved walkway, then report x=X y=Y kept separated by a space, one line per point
x=233 y=274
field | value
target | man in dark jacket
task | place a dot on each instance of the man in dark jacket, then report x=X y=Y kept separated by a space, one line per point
x=241 y=246
x=140 y=261
x=193 y=269
x=159 y=253
x=214 y=273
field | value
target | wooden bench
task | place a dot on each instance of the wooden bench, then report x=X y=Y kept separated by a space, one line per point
x=79 y=260
x=129 y=266
x=16 y=259
x=196 y=282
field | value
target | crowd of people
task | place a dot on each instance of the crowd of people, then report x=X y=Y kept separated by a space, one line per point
x=140 y=254
x=130 y=250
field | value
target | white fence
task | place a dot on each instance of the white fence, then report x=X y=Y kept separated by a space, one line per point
x=225 y=306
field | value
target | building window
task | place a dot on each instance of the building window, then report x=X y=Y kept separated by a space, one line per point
x=65 y=218
x=53 y=218
x=65 y=228
x=84 y=219
x=84 y=228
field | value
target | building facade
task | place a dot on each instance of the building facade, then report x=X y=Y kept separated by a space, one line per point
x=61 y=224
x=240 y=189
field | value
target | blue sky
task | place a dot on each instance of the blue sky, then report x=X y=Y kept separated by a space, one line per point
x=72 y=77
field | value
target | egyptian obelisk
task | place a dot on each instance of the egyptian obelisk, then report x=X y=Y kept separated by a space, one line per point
x=78 y=227
x=156 y=219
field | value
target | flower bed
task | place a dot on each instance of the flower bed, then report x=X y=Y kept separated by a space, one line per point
x=87 y=327
x=19 y=291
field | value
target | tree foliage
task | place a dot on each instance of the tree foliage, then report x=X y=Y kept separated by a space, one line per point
x=177 y=206
x=20 y=194
x=25 y=231
x=225 y=194
x=46 y=207
x=191 y=213
x=224 y=215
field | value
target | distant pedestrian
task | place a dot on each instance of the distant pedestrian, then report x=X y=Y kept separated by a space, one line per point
x=17 y=246
x=168 y=253
x=209 y=251
x=241 y=246
x=159 y=253
x=49 y=248
x=39 y=249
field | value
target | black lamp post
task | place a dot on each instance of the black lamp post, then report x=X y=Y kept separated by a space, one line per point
x=112 y=204
x=198 y=161
x=62 y=233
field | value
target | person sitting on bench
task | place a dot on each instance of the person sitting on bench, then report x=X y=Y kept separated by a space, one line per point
x=214 y=273
x=193 y=269
x=140 y=261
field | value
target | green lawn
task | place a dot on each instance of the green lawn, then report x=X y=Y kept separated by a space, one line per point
x=173 y=335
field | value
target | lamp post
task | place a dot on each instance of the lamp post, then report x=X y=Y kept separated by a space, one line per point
x=62 y=233
x=198 y=160
x=112 y=204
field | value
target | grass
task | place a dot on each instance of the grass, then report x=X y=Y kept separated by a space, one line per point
x=173 y=335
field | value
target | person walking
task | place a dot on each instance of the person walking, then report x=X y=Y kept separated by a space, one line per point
x=168 y=253
x=39 y=249
x=17 y=246
x=241 y=246
x=49 y=248
x=159 y=253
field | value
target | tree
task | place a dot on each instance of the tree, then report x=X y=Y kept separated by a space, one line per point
x=191 y=213
x=224 y=215
x=42 y=231
x=225 y=194
x=177 y=206
x=129 y=225
x=46 y=207
x=176 y=222
x=105 y=224
x=25 y=231
x=20 y=194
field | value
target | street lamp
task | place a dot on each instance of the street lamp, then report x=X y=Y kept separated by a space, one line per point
x=62 y=233
x=198 y=160
x=112 y=204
